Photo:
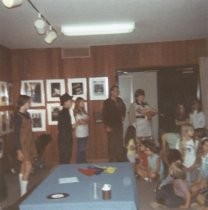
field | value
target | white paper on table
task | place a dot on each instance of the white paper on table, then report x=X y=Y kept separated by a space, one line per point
x=66 y=180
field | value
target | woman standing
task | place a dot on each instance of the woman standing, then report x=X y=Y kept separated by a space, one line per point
x=25 y=145
x=81 y=130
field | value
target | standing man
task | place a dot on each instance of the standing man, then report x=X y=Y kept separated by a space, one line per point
x=65 y=141
x=140 y=115
x=114 y=111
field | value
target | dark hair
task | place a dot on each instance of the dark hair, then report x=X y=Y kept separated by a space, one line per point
x=152 y=146
x=130 y=134
x=195 y=102
x=139 y=92
x=178 y=114
x=22 y=100
x=178 y=170
x=173 y=156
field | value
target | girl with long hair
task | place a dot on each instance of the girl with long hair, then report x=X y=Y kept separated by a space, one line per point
x=81 y=129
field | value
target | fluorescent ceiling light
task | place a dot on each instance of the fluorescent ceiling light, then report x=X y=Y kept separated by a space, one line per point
x=84 y=30
x=12 y=3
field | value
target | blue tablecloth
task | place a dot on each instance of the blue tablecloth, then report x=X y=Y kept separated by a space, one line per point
x=124 y=190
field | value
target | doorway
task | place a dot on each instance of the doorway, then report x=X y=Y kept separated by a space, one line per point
x=164 y=87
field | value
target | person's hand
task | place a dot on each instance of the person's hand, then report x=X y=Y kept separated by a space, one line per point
x=20 y=155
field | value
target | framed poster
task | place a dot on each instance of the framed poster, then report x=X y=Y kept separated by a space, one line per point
x=4 y=122
x=34 y=89
x=54 y=89
x=10 y=93
x=98 y=87
x=38 y=117
x=4 y=99
x=53 y=112
x=77 y=87
x=10 y=121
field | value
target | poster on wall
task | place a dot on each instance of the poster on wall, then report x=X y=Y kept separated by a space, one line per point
x=10 y=94
x=53 y=112
x=4 y=99
x=98 y=87
x=38 y=117
x=10 y=121
x=34 y=89
x=54 y=89
x=77 y=87
x=4 y=122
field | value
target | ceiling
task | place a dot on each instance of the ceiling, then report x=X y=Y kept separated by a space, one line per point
x=156 y=21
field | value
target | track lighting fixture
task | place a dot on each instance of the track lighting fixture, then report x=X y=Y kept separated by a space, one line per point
x=12 y=3
x=51 y=35
x=40 y=25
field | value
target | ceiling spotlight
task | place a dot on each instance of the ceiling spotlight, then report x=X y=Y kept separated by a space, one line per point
x=51 y=35
x=40 y=24
x=12 y=3
x=97 y=29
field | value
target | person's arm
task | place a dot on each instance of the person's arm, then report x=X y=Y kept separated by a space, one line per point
x=17 y=128
x=164 y=149
x=123 y=110
x=132 y=115
x=202 y=120
x=187 y=200
x=156 y=170
x=105 y=115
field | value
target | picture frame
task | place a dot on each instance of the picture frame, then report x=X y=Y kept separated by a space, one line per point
x=77 y=87
x=38 y=117
x=3 y=122
x=34 y=89
x=10 y=121
x=98 y=87
x=52 y=113
x=4 y=99
x=54 y=89
x=10 y=93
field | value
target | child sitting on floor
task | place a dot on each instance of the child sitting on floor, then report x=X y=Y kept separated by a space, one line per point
x=202 y=181
x=142 y=165
x=175 y=194
x=130 y=141
x=155 y=164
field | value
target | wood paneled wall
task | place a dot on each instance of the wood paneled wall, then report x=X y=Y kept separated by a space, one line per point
x=104 y=61
x=5 y=75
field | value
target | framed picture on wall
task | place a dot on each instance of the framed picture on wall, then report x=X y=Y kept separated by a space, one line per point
x=4 y=118
x=10 y=93
x=4 y=99
x=38 y=117
x=10 y=121
x=54 y=89
x=78 y=87
x=34 y=89
x=98 y=87
x=52 y=113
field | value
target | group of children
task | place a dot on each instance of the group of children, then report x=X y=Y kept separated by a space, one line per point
x=180 y=176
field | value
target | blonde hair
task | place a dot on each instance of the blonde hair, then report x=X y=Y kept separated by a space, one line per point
x=77 y=108
x=177 y=170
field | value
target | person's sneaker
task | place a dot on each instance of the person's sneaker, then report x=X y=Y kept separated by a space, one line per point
x=156 y=205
